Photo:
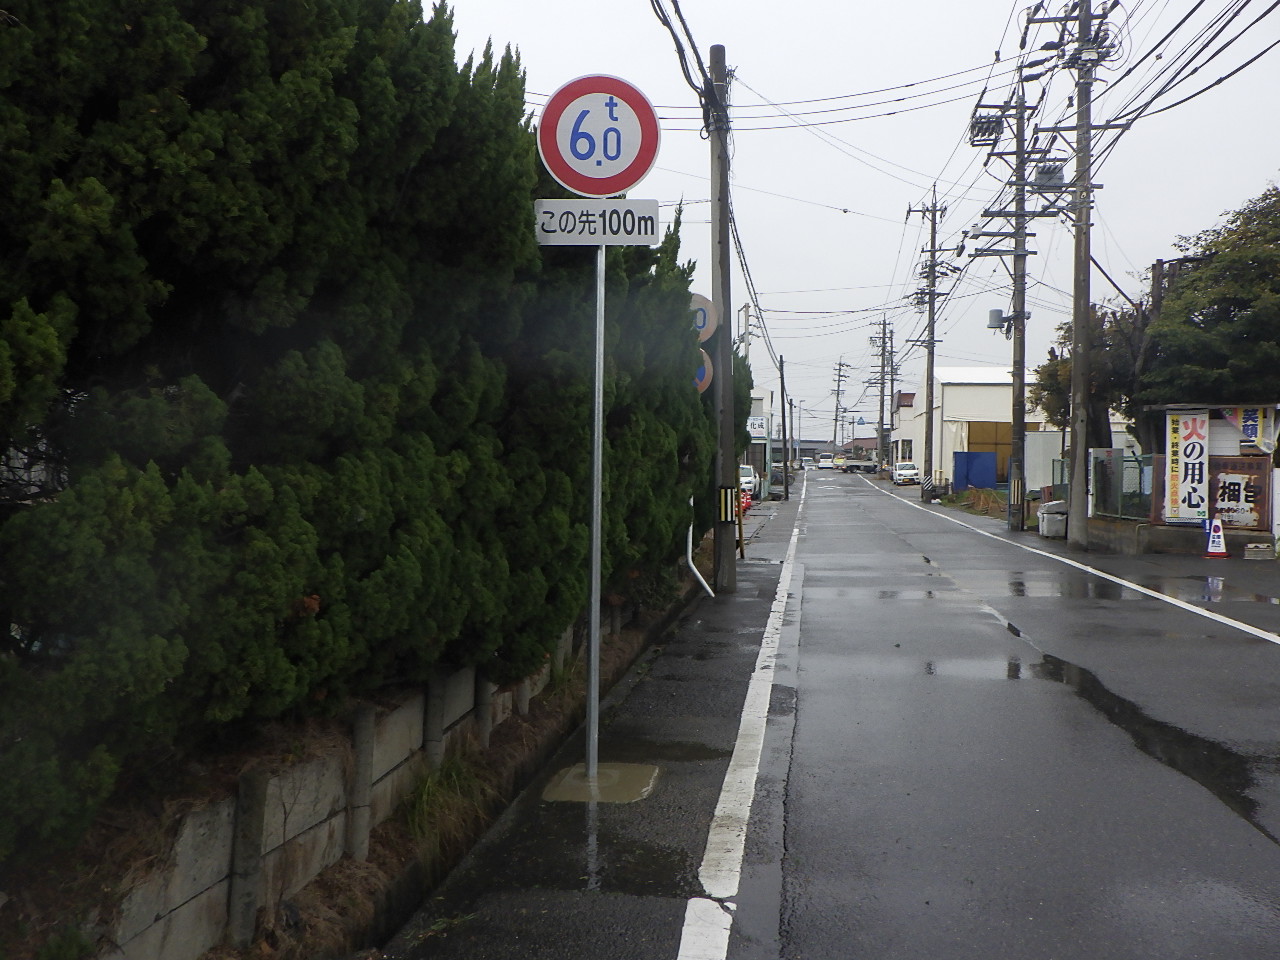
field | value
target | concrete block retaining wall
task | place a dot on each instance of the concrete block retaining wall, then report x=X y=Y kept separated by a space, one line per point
x=234 y=861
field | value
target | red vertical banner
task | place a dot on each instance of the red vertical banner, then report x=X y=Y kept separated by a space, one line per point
x=1187 y=467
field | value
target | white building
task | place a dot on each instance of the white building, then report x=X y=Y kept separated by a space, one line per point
x=973 y=413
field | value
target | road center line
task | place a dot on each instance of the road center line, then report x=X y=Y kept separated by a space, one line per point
x=707 y=920
x=1128 y=584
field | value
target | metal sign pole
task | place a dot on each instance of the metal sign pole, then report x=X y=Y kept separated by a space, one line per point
x=606 y=150
x=597 y=499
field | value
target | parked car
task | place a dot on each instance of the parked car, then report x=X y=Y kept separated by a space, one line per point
x=806 y=463
x=905 y=472
x=826 y=461
x=749 y=480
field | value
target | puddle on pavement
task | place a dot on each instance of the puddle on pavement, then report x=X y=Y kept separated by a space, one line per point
x=614 y=783
x=1225 y=773
x=872 y=593
x=1200 y=589
x=1083 y=588
x=1191 y=589
x=631 y=749
x=594 y=846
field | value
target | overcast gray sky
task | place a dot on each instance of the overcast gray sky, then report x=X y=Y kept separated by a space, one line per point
x=847 y=114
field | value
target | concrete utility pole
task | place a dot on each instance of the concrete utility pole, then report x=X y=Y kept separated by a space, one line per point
x=883 y=380
x=886 y=444
x=885 y=360
x=786 y=447
x=726 y=529
x=1018 y=438
x=930 y=294
x=841 y=367
x=1081 y=334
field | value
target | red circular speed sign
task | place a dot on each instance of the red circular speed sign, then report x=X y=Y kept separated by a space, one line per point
x=598 y=136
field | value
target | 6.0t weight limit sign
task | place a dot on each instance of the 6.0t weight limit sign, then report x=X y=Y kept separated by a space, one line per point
x=598 y=136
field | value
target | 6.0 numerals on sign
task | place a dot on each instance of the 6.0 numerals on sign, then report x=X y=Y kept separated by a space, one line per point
x=583 y=145
x=610 y=223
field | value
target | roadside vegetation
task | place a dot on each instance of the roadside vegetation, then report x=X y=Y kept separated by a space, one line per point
x=294 y=407
x=1208 y=332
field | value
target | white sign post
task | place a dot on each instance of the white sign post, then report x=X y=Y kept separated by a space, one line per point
x=598 y=136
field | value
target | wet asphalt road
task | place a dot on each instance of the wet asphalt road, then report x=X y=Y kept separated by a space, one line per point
x=973 y=750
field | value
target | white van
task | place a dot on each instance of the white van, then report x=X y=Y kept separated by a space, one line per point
x=905 y=472
x=826 y=461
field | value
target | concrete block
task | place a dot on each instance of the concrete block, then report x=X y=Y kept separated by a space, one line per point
x=503 y=706
x=145 y=905
x=200 y=859
x=360 y=780
x=389 y=792
x=459 y=695
x=301 y=797
x=202 y=851
x=289 y=868
x=187 y=933
x=485 y=691
x=146 y=944
x=398 y=734
x=538 y=682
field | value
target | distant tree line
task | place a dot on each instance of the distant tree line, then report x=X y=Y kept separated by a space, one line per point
x=1209 y=332
x=292 y=406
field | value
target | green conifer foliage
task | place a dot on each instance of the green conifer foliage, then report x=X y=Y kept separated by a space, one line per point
x=1217 y=337
x=295 y=407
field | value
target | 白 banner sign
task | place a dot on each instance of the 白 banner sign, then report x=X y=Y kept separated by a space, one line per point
x=592 y=223
x=1187 y=478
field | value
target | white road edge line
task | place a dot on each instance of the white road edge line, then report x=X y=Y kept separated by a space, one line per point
x=708 y=920
x=1147 y=591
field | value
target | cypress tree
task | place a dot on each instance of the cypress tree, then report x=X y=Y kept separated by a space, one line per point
x=294 y=406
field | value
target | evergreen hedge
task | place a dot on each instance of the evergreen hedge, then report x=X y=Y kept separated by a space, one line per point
x=294 y=406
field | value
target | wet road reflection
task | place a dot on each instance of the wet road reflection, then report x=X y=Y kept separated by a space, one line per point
x=1191 y=589
x=1226 y=773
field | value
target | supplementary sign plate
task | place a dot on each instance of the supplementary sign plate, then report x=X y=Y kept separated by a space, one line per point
x=595 y=223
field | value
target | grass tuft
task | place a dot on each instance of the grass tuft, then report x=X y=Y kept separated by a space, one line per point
x=448 y=808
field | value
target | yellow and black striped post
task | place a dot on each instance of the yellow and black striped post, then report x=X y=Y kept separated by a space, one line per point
x=728 y=504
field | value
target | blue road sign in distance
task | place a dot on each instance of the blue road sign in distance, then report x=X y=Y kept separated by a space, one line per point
x=702 y=376
x=598 y=136
x=705 y=317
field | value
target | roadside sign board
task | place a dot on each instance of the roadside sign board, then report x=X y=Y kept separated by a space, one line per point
x=593 y=223
x=704 y=317
x=702 y=376
x=598 y=136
